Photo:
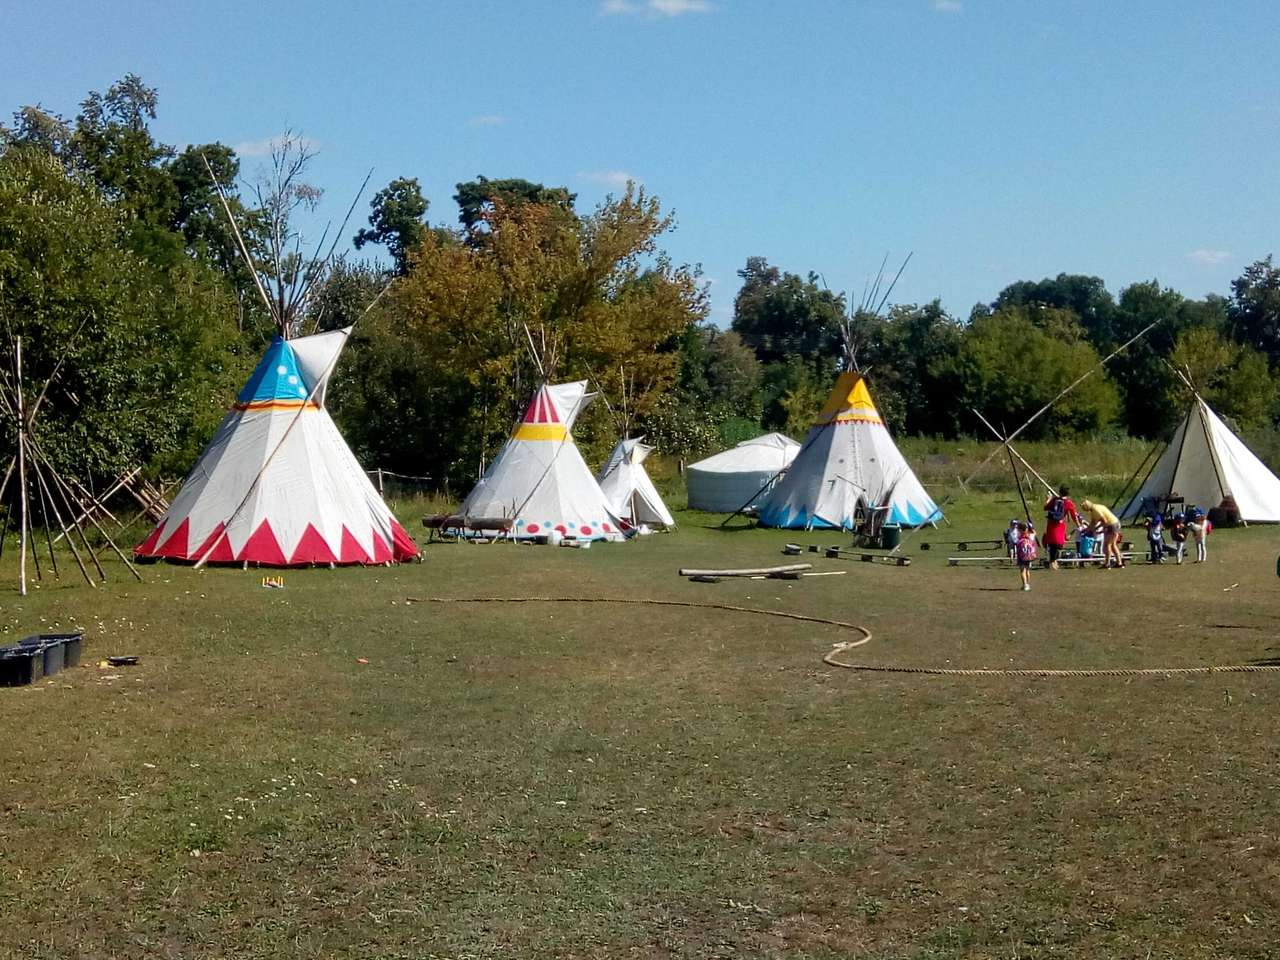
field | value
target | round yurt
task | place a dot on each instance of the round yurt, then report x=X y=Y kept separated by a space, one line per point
x=727 y=481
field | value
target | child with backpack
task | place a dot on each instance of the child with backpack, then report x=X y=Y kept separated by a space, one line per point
x=1027 y=551
x=1056 y=510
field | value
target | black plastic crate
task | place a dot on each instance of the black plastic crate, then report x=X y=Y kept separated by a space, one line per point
x=20 y=666
x=70 y=643
x=49 y=650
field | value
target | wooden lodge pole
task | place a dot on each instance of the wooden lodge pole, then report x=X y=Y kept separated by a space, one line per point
x=22 y=474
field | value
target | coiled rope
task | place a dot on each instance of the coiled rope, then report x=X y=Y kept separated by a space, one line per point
x=833 y=657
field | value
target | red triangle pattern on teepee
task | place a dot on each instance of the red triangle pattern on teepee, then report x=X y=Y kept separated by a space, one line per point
x=176 y=545
x=351 y=551
x=542 y=409
x=263 y=547
x=221 y=552
x=381 y=552
x=312 y=548
x=147 y=547
x=402 y=544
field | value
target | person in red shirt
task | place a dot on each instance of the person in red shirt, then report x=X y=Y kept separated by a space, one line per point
x=1057 y=509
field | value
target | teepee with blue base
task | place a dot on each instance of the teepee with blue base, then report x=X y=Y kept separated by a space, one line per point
x=848 y=465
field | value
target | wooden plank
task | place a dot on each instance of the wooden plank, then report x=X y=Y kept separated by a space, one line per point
x=746 y=572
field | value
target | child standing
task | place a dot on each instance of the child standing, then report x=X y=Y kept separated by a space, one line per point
x=1155 y=537
x=1199 y=527
x=1178 y=531
x=1027 y=551
x=1011 y=539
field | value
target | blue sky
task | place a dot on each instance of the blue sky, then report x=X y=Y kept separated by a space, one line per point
x=997 y=140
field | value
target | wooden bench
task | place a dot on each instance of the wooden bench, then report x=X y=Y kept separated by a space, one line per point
x=450 y=526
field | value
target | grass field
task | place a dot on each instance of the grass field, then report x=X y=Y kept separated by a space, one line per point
x=593 y=781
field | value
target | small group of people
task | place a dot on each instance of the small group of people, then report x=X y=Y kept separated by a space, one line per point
x=1093 y=521
x=1193 y=524
x=1096 y=521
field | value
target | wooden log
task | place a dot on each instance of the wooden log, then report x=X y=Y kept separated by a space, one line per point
x=746 y=572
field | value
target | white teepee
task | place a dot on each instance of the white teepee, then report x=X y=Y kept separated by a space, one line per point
x=1204 y=464
x=848 y=461
x=629 y=489
x=540 y=482
x=277 y=484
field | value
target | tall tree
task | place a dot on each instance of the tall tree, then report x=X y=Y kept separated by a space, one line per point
x=1008 y=368
x=475 y=198
x=780 y=315
x=1085 y=296
x=545 y=297
x=900 y=350
x=147 y=351
x=1147 y=386
x=398 y=220
x=1254 y=311
x=1233 y=379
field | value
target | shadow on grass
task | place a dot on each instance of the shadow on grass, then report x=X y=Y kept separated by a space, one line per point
x=734 y=528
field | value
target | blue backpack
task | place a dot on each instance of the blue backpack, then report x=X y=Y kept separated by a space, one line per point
x=1057 y=509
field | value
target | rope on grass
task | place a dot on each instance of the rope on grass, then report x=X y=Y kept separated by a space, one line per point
x=832 y=658
x=846 y=645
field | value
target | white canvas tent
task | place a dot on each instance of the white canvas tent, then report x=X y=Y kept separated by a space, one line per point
x=629 y=488
x=277 y=485
x=848 y=461
x=539 y=480
x=729 y=480
x=1204 y=464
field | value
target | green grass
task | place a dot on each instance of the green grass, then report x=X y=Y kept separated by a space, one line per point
x=589 y=781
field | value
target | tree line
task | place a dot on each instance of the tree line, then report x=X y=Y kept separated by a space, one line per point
x=120 y=269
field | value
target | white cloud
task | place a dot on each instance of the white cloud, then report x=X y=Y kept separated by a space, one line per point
x=674 y=8
x=1209 y=258
x=263 y=148
x=612 y=179
x=947 y=6
x=487 y=120
x=662 y=8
